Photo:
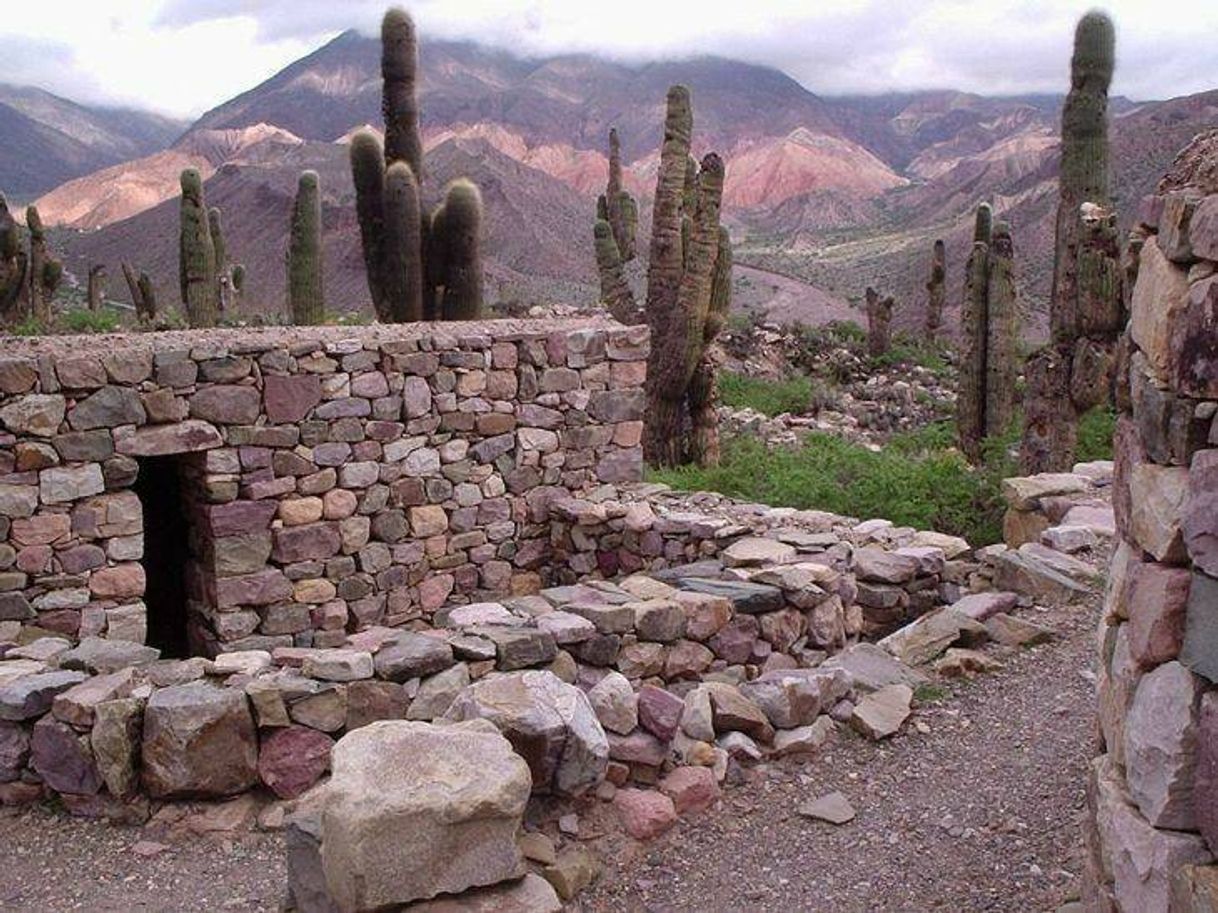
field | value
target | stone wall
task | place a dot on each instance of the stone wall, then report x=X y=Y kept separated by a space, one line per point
x=333 y=478
x=1152 y=819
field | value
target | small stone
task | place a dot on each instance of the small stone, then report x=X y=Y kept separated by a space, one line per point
x=292 y=759
x=692 y=789
x=615 y=703
x=1016 y=632
x=881 y=713
x=645 y=814
x=832 y=807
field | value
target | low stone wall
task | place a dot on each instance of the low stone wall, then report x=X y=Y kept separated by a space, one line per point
x=332 y=478
x=1152 y=819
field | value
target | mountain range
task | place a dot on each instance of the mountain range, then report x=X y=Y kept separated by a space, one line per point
x=826 y=195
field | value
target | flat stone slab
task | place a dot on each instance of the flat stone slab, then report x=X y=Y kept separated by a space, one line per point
x=755 y=550
x=832 y=807
x=93 y=654
x=881 y=713
x=746 y=598
x=872 y=668
x=32 y=695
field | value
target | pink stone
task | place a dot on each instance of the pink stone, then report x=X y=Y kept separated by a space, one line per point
x=34 y=559
x=239 y=517
x=660 y=712
x=288 y=400
x=118 y=582
x=293 y=759
x=182 y=437
x=1156 y=603
x=226 y=404
x=434 y=590
x=1200 y=522
x=692 y=789
x=310 y=542
x=262 y=588
x=644 y=813
x=64 y=763
x=43 y=529
x=81 y=558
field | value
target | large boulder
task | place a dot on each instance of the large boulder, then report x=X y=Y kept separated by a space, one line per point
x=550 y=723
x=1161 y=745
x=199 y=741
x=415 y=809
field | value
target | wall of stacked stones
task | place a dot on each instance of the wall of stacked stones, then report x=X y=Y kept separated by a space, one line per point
x=1152 y=821
x=334 y=478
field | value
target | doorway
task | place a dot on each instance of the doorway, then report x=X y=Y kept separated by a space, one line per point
x=166 y=553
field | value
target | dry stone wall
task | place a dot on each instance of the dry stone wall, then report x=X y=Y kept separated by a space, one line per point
x=332 y=478
x=1152 y=822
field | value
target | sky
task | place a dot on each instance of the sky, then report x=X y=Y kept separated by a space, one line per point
x=182 y=57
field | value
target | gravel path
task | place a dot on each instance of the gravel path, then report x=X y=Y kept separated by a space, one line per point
x=979 y=813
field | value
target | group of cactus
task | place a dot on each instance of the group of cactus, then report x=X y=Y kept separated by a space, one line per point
x=208 y=281
x=985 y=404
x=1076 y=370
x=689 y=283
x=28 y=276
x=420 y=266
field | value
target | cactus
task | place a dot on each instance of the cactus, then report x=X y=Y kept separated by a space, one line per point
x=97 y=286
x=45 y=271
x=402 y=259
x=621 y=211
x=879 y=323
x=985 y=402
x=306 y=299
x=1087 y=308
x=196 y=254
x=143 y=294
x=704 y=385
x=615 y=290
x=459 y=240
x=935 y=294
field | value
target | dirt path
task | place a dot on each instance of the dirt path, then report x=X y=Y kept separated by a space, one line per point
x=981 y=813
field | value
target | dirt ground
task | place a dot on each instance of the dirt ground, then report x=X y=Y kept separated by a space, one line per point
x=979 y=812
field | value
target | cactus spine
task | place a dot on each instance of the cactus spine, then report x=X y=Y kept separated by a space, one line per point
x=409 y=269
x=985 y=402
x=935 y=295
x=1086 y=310
x=196 y=255
x=305 y=296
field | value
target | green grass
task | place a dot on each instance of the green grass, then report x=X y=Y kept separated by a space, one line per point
x=930 y=693
x=770 y=397
x=915 y=481
x=82 y=320
x=1095 y=432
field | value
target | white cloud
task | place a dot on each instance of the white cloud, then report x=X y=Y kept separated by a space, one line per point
x=184 y=56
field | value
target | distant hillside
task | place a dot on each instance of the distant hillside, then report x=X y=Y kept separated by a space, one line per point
x=46 y=140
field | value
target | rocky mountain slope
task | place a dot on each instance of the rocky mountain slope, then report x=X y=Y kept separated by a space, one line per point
x=46 y=140
x=828 y=193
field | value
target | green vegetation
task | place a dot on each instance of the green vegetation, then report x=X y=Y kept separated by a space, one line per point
x=930 y=693
x=908 y=351
x=769 y=397
x=1095 y=431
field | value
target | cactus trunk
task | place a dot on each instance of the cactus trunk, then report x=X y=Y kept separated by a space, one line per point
x=615 y=290
x=879 y=323
x=461 y=252
x=97 y=287
x=402 y=264
x=196 y=255
x=13 y=263
x=399 y=99
x=935 y=294
x=306 y=296
x=143 y=295
x=39 y=305
x=704 y=385
x=1087 y=309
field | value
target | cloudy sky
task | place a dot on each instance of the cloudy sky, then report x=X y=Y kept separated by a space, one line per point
x=182 y=57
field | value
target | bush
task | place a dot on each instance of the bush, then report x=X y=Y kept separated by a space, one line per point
x=770 y=397
x=918 y=480
x=81 y=320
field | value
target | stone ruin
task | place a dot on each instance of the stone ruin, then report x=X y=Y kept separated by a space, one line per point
x=225 y=555
x=1152 y=810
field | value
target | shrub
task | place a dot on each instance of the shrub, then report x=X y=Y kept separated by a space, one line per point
x=771 y=397
x=81 y=320
x=919 y=480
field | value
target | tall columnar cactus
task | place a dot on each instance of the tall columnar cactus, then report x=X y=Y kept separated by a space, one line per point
x=985 y=403
x=616 y=206
x=879 y=322
x=457 y=242
x=97 y=286
x=704 y=385
x=13 y=265
x=935 y=294
x=1087 y=310
x=615 y=290
x=405 y=278
x=196 y=255
x=143 y=294
x=45 y=271
x=305 y=295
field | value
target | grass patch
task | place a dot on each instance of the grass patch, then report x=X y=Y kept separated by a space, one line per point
x=930 y=693
x=770 y=397
x=1095 y=431
x=915 y=481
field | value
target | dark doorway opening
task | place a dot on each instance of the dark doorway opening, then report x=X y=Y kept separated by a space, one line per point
x=166 y=553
